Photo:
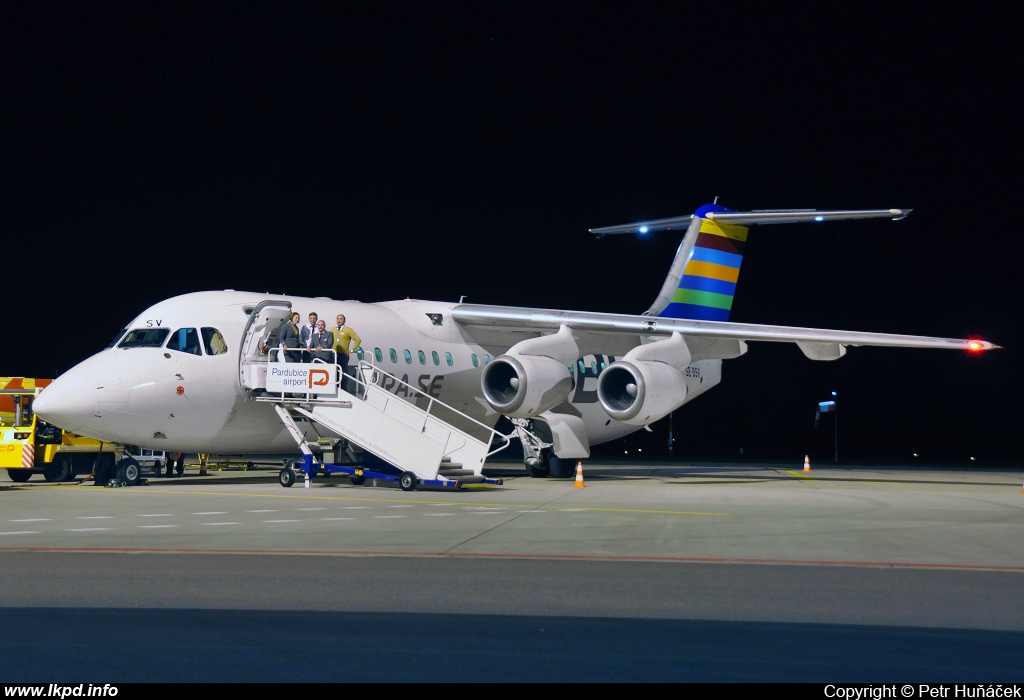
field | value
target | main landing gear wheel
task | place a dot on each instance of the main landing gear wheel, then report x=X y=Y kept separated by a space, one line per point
x=408 y=481
x=129 y=471
x=560 y=469
x=286 y=477
x=357 y=479
x=104 y=470
x=19 y=475
x=550 y=465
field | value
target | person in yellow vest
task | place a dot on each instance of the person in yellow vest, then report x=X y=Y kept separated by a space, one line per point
x=345 y=341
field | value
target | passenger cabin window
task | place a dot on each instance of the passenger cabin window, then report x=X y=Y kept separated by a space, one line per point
x=593 y=366
x=433 y=355
x=144 y=338
x=378 y=354
x=408 y=357
x=448 y=359
x=214 y=342
x=487 y=358
x=476 y=362
x=423 y=358
x=394 y=355
x=185 y=340
x=359 y=353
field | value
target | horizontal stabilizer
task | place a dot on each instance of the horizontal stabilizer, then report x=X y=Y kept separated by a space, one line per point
x=753 y=218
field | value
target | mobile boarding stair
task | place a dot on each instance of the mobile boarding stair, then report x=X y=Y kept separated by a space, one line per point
x=412 y=436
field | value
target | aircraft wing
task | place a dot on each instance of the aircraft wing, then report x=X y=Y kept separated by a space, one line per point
x=813 y=341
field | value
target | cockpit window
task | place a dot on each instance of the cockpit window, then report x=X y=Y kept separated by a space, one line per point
x=185 y=340
x=117 y=338
x=144 y=338
x=214 y=342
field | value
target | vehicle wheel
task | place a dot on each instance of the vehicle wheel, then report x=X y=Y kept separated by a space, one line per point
x=19 y=475
x=357 y=479
x=129 y=471
x=58 y=470
x=408 y=481
x=286 y=477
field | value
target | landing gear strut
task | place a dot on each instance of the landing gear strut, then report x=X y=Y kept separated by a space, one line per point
x=539 y=455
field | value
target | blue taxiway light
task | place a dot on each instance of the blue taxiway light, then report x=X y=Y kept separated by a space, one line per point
x=643 y=229
x=819 y=218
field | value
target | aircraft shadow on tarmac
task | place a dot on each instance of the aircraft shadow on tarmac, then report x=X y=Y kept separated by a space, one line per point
x=132 y=645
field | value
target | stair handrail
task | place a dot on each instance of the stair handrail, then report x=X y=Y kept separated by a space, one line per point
x=364 y=365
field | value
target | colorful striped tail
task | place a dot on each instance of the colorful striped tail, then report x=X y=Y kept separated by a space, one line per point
x=708 y=282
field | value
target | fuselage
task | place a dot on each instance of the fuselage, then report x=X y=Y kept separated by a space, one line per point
x=171 y=394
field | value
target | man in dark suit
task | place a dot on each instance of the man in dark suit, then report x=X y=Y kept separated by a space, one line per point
x=322 y=343
x=288 y=335
x=306 y=338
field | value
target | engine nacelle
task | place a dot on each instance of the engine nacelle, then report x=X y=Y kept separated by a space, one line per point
x=521 y=386
x=640 y=393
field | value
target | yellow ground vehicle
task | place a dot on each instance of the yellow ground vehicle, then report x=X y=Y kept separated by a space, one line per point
x=30 y=446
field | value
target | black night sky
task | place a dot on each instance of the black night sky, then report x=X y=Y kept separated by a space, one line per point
x=382 y=150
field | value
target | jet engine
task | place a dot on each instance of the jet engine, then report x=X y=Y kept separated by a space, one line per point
x=524 y=386
x=532 y=376
x=647 y=383
x=639 y=393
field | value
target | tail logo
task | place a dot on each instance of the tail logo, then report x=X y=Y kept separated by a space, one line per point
x=708 y=283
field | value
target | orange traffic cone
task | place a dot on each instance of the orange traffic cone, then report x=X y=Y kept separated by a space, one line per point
x=202 y=465
x=807 y=463
x=579 y=476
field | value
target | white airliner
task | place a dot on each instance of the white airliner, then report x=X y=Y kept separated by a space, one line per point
x=567 y=379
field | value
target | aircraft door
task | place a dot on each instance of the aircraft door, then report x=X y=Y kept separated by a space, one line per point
x=254 y=351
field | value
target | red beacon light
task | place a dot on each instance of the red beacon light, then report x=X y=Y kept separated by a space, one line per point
x=976 y=346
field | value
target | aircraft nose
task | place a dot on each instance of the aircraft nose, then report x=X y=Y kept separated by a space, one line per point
x=65 y=405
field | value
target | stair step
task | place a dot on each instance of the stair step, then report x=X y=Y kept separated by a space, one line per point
x=454 y=473
x=471 y=478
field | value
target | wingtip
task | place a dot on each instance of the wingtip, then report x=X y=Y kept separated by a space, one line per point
x=977 y=345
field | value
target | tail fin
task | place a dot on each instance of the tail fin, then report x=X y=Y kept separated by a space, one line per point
x=701 y=283
x=711 y=257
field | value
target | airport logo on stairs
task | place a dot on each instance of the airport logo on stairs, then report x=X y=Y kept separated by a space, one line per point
x=321 y=380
